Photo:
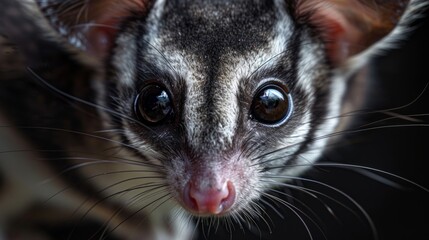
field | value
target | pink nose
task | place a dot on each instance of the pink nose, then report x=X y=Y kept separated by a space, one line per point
x=211 y=201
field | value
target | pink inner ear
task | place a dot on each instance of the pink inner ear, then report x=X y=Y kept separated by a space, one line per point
x=100 y=38
x=347 y=27
x=338 y=34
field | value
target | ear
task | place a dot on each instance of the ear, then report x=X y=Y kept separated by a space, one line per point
x=91 y=25
x=358 y=28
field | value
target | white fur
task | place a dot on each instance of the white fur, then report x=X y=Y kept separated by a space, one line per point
x=124 y=60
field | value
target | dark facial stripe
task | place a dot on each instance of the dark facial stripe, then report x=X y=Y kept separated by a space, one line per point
x=286 y=71
x=318 y=112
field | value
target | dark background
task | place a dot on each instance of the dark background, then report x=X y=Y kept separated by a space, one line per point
x=398 y=209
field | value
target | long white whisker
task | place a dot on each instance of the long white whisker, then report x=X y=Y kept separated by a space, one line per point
x=295 y=211
x=348 y=197
x=354 y=166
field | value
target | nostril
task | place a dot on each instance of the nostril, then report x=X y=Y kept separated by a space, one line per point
x=189 y=201
x=194 y=203
x=229 y=200
x=210 y=200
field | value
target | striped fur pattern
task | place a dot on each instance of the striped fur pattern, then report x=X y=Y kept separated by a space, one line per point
x=212 y=57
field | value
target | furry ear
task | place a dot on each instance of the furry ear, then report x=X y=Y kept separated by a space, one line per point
x=354 y=27
x=91 y=24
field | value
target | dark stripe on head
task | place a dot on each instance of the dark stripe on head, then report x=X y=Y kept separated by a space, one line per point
x=319 y=110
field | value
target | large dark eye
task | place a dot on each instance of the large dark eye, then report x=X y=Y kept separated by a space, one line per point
x=153 y=104
x=272 y=104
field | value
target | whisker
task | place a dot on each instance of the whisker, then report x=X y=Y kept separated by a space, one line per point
x=334 y=134
x=300 y=202
x=151 y=186
x=90 y=162
x=197 y=223
x=141 y=209
x=131 y=202
x=260 y=215
x=96 y=106
x=162 y=56
x=348 y=197
x=310 y=192
x=266 y=62
x=359 y=112
x=85 y=25
x=295 y=211
x=409 y=118
x=73 y=132
x=239 y=219
x=419 y=96
x=100 y=175
x=248 y=213
x=354 y=166
x=272 y=208
x=82 y=10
